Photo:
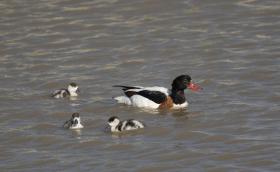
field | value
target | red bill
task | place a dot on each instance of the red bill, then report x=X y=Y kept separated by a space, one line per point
x=194 y=87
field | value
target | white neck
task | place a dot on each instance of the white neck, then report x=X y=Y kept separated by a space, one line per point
x=114 y=129
x=78 y=126
x=114 y=126
x=73 y=93
x=72 y=90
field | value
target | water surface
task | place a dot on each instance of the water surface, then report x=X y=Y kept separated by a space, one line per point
x=231 y=48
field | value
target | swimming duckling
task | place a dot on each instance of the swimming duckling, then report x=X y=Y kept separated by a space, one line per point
x=74 y=122
x=118 y=126
x=71 y=91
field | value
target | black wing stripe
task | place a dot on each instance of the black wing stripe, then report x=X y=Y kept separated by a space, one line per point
x=156 y=96
x=130 y=93
x=124 y=88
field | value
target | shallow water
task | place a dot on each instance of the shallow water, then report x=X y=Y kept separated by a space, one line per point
x=231 y=48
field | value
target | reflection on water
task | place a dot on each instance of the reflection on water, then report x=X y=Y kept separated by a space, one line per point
x=230 y=48
x=77 y=133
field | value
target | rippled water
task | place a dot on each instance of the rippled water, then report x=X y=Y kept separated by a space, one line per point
x=231 y=48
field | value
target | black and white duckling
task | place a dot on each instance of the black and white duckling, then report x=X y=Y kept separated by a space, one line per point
x=71 y=91
x=118 y=126
x=74 y=122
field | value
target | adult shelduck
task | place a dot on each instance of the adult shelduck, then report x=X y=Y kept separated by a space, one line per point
x=117 y=125
x=158 y=97
x=71 y=91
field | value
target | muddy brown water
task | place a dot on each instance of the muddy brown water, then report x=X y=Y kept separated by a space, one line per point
x=231 y=48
